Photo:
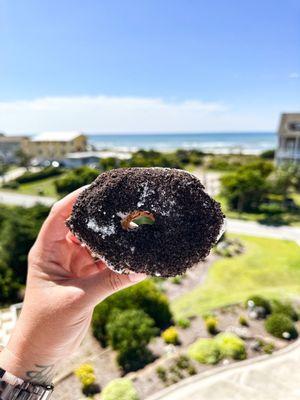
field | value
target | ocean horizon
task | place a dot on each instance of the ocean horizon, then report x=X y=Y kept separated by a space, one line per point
x=222 y=143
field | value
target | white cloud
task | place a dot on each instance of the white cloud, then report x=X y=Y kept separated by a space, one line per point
x=105 y=114
x=294 y=75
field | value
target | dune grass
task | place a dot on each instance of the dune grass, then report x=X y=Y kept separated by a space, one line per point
x=269 y=267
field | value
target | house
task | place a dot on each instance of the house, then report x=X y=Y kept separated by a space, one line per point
x=289 y=139
x=91 y=158
x=55 y=145
x=10 y=145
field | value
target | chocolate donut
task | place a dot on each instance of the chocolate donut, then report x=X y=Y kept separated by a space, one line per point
x=158 y=221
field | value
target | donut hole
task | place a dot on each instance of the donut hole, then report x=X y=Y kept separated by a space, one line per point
x=136 y=219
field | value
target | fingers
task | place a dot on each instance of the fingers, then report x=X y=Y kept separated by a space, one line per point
x=54 y=226
x=107 y=282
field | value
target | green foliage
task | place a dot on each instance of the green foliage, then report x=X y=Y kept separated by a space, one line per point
x=185 y=157
x=177 y=280
x=183 y=323
x=231 y=346
x=36 y=176
x=170 y=335
x=120 y=389
x=268 y=348
x=280 y=307
x=243 y=321
x=247 y=187
x=268 y=154
x=152 y=158
x=162 y=374
x=205 y=351
x=134 y=358
x=75 y=179
x=259 y=301
x=106 y=164
x=211 y=324
x=279 y=325
x=144 y=296
x=130 y=328
x=11 y=185
x=19 y=229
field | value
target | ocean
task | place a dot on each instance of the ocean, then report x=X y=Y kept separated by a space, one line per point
x=222 y=143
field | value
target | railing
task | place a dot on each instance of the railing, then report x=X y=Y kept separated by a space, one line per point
x=294 y=155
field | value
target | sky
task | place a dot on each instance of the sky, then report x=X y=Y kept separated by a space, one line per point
x=148 y=65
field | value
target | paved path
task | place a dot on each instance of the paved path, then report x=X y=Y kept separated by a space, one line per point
x=273 y=377
x=255 y=229
x=24 y=199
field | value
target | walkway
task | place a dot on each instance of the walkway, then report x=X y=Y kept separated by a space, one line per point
x=273 y=377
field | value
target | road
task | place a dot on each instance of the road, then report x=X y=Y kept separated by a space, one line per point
x=273 y=377
x=24 y=200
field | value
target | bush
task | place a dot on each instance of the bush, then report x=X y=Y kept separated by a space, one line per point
x=11 y=185
x=85 y=373
x=259 y=301
x=231 y=346
x=205 y=351
x=162 y=374
x=281 y=326
x=144 y=296
x=170 y=335
x=130 y=328
x=211 y=324
x=133 y=359
x=120 y=389
x=183 y=323
x=243 y=321
x=36 y=176
x=279 y=307
x=75 y=179
x=268 y=154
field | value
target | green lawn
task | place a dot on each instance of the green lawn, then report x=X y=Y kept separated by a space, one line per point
x=269 y=267
x=44 y=186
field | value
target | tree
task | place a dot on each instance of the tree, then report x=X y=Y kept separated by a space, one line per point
x=130 y=328
x=23 y=158
x=247 y=187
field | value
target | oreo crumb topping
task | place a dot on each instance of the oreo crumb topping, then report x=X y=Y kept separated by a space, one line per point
x=185 y=221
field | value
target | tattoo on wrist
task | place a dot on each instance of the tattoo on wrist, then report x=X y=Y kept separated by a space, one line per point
x=42 y=374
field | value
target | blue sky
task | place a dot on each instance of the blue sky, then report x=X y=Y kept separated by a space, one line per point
x=148 y=65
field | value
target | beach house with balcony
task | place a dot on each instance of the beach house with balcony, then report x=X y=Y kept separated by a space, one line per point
x=289 y=139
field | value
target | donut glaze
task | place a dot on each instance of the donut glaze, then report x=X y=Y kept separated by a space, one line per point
x=185 y=221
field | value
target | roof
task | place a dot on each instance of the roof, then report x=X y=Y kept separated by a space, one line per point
x=59 y=136
x=290 y=124
x=12 y=139
x=98 y=154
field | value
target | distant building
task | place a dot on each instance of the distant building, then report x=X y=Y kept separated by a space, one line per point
x=78 y=159
x=10 y=145
x=55 y=145
x=289 y=139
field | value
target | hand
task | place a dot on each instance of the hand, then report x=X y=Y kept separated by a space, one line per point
x=63 y=286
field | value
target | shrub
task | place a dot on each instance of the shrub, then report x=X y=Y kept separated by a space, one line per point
x=85 y=373
x=162 y=374
x=120 y=389
x=75 y=179
x=205 y=351
x=243 y=320
x=36 y=176
x=211 y=324
x=133 y=359
x=281 y=326
x=170 y=335
x=177 y=280
x=183 y=362
x=183 y=323
x=259 y=301
x=144 y=296
x=231 y=346
x=131 y=328
x=11 y=185
x=268 y=348
x=279 y=307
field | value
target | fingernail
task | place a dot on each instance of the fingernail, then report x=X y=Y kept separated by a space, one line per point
x=134 y=277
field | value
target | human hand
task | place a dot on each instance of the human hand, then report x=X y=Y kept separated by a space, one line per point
x=63 y=286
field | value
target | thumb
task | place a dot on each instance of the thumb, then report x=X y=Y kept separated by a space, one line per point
x=105 y=283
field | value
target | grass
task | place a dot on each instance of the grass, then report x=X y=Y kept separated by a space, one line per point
x=42 y=187
x=269 y=267
x=291 y=218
